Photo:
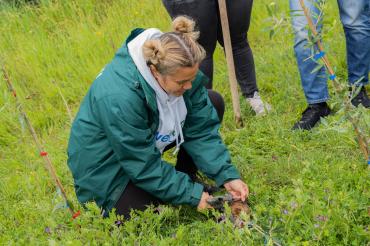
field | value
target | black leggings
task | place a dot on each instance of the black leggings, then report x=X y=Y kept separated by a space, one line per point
x=206 y=15
x=136 y=198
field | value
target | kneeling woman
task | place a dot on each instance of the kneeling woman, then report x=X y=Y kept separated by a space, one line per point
x=148 y=98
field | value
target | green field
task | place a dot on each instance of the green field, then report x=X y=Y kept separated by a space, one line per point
x=307 y=188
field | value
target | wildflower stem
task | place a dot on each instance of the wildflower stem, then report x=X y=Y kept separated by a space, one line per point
x=65 y=102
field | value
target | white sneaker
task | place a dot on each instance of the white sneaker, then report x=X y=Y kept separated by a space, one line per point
x=258 y=105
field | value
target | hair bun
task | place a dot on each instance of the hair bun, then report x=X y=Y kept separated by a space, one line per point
x=153 y=51
x=185 y=25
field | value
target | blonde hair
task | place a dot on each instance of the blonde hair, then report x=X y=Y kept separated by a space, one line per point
x=175 y=49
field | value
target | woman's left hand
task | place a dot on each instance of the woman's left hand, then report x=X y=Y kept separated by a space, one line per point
x=238 y=189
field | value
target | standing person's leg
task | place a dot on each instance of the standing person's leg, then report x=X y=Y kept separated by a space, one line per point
x=314 y=83
x=239 y=15
x=204 y=14
x=355 y=17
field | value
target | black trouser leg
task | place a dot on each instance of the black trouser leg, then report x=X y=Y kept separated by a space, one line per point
x=239 y=14
x=206 y=15
x=134 y=197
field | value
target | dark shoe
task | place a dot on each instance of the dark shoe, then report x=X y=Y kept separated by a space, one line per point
x=207 y=187
x=361 y=98
x=312 y=115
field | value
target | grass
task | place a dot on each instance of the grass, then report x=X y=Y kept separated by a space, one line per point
x=306 y=187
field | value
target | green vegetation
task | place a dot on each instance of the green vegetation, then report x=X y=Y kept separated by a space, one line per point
x=306 y=187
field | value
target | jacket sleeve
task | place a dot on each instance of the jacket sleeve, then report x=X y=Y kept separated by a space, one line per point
x=126 y=126
x=203 y=142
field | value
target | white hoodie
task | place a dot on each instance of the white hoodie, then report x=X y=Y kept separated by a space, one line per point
x=172 y=109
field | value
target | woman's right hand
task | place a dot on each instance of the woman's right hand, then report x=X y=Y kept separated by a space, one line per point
x=203 y=204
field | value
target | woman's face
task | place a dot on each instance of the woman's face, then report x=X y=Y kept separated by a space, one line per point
x=178 y=82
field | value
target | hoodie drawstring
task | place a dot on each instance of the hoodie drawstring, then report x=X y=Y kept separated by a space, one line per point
x=178 y=127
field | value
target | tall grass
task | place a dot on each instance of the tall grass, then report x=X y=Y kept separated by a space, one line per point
x=306 y=187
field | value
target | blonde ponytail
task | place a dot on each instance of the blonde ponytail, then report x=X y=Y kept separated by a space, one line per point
x=175 y=49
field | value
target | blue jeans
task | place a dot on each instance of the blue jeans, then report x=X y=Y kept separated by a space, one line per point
x=355 y=18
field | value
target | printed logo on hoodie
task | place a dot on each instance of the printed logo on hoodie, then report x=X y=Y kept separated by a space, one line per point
x=165 y=138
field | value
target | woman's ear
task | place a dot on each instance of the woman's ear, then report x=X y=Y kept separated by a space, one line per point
x=154 y=71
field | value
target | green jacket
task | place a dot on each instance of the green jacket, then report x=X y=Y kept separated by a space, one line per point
x=112 y=139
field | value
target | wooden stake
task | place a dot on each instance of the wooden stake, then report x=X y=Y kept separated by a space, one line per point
x=230 y=62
